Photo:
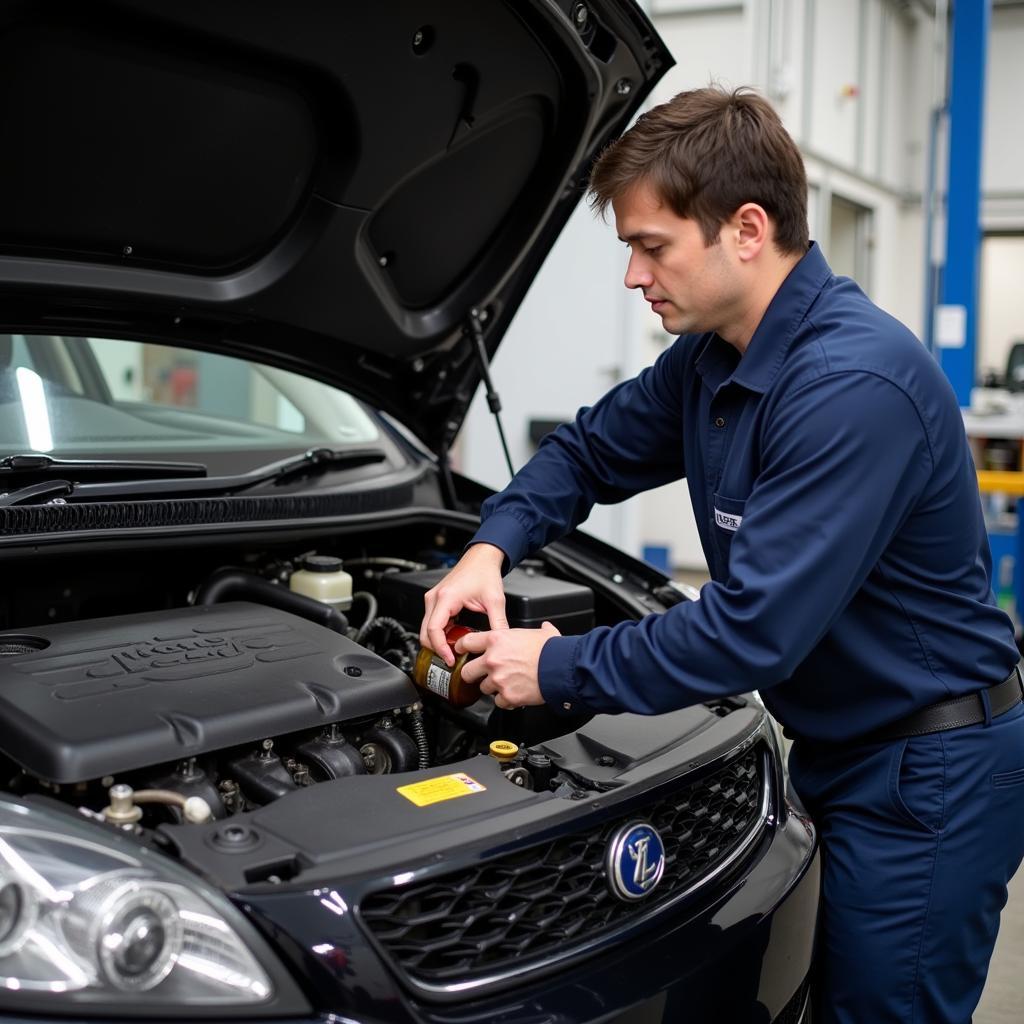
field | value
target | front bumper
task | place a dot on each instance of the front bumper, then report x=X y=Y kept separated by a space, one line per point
x=738 y=948
x=744 y=957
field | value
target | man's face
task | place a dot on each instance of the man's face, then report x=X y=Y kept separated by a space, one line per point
x=693 y=287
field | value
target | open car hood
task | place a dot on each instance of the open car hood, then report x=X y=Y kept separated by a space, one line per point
x=325 y=186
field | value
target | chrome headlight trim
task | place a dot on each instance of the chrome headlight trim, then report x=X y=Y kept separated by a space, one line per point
x=104 y=924
x=25 y=911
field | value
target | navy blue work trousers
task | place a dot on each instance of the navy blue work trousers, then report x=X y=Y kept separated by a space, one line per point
x=920 y=837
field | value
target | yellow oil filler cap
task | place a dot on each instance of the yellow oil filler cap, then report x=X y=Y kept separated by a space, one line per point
x=503 y=750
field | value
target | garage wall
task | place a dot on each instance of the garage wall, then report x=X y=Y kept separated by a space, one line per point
x=711 y=45
x=838 y=93
x=1003 y=161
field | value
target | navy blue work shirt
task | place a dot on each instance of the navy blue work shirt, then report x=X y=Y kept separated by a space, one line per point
x=837 y=505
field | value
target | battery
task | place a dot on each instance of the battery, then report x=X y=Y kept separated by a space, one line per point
x=531 y=599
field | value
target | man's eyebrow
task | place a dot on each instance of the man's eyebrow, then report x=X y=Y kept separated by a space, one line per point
x=639 y=236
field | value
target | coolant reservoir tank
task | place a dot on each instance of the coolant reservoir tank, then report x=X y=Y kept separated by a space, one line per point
x=323 y=578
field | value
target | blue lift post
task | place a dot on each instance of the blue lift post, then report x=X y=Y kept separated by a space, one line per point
x=959 y=285
x=959 y=276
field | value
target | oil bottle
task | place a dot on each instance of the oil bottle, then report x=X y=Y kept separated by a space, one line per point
x=430 y=673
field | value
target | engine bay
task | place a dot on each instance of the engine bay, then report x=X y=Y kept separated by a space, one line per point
x=243 y=688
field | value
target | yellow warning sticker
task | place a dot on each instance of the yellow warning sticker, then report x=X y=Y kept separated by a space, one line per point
x=445 y=787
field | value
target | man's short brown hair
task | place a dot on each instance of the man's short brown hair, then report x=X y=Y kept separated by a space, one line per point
x=705 y=153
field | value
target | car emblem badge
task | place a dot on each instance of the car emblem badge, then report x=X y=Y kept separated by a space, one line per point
x=635 y=861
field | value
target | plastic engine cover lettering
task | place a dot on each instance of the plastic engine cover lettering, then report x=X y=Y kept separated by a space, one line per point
x=86 y=699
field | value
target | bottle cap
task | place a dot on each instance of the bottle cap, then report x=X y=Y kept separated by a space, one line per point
x=503 y=750
x=456 y=632
x=321 y=563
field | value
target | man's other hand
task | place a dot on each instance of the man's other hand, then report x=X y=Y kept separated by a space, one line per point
x=507 y=663
x=474 y=583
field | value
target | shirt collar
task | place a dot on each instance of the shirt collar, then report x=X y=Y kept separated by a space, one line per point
x=767 y=350
x=787 y=310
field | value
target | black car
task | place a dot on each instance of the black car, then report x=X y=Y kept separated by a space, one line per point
x=254 y=260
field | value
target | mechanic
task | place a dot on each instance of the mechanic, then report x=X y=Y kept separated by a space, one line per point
x=838 y=509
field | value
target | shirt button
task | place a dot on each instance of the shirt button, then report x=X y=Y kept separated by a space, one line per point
x=567 y=706
x=720 y=422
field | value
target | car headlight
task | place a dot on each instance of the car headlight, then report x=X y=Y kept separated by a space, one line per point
x=89 y=917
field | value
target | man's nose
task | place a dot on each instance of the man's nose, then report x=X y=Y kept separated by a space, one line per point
x=638 y=274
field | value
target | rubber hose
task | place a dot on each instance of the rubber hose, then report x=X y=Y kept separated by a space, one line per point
x=396 y=656
x=419 y=734
x=371 y=612
x=383 y=632
x=412 y=647
x=388 y=563
x=387 y=636
x=233 y=584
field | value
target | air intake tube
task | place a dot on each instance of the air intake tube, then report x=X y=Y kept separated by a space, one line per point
x=235 y=585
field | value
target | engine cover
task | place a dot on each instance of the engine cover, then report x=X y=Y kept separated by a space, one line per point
x=85 y=699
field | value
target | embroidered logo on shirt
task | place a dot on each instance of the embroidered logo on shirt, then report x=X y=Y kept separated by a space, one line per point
x=727 y=522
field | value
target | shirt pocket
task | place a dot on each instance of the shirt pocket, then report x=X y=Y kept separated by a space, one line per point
x=728 y=518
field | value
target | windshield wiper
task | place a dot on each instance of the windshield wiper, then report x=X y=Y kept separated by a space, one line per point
x=15 y=467
x=295 y=467
x=49 y=492
x=36 y=479
x=313 y=461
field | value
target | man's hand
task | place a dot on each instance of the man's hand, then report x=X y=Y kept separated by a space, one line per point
x=474 y=583
x=507 y=666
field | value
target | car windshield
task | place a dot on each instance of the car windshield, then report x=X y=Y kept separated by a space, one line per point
x=93 y=397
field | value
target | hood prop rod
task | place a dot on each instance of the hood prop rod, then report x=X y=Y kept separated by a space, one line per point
x=476 y=333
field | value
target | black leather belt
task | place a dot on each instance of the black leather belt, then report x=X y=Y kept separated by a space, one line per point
x=953 y=713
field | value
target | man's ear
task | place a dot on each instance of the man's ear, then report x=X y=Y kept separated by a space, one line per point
x=751 y=230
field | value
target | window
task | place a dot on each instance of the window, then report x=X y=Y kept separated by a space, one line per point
x=849 y=240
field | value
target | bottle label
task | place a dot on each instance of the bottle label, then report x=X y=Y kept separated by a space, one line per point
x=438 y=678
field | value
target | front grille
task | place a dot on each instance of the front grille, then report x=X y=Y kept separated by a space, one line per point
x=548 y=900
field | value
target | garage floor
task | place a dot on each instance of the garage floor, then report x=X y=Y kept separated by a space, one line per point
x=1002 y=1002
